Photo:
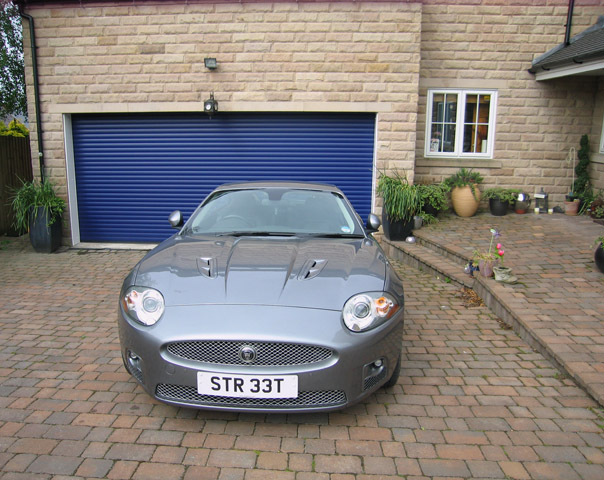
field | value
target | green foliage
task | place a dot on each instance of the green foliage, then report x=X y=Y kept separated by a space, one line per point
x=464 y=177
x=14 y=129
x=600 y=241
x=401 y=199
x=432 y=198
x=582 y=186
x=12 y=70
x=596 y=206
x=30 y=195
x=502 y=194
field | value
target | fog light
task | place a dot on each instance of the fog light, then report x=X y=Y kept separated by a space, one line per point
x=373 y=373
x=134 y=365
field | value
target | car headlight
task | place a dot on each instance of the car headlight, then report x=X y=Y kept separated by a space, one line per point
x=368 y=310
x=143 y=304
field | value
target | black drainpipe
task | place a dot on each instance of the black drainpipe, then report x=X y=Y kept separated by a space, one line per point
x=34 y=63
x=569 y=21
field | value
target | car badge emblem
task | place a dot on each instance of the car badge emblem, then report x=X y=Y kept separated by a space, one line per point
x=247 y=354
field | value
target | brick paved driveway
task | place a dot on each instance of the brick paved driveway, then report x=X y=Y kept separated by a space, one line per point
x=473 y=399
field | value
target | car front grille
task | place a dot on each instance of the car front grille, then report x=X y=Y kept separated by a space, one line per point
x=268 y=354
x=308 y=399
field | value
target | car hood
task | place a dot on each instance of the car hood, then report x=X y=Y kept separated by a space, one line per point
x=308 y=272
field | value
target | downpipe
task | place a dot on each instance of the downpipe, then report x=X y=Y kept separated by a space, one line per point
x=34 y=62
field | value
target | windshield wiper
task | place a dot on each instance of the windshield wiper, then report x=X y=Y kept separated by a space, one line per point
x=256 y=234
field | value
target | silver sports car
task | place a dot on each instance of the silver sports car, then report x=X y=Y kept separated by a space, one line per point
x=272 y=297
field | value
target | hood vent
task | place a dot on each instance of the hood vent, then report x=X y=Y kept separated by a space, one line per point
x=207 y=266
x=311 y=269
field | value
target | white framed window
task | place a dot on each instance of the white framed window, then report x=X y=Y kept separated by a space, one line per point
x=460 y=123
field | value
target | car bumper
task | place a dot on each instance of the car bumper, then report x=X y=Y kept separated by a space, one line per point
x=348 y=366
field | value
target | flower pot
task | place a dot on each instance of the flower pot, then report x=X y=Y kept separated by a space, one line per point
x=571 y=208
x=397 y=230
x=44 y=238
x=486 y=268
x=497 y=207
x=599 y=258
x=464 y=202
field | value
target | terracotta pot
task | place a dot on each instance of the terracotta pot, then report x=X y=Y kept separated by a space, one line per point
x=571 y=208
x=464 y=203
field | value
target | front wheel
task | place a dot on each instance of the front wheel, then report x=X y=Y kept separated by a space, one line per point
x=396 y=371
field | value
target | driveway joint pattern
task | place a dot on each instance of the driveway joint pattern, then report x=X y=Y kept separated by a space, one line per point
x=473 y=399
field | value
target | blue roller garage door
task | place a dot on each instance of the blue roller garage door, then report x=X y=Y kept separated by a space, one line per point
x=133 y=170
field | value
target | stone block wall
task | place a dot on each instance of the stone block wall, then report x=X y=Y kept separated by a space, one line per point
x=491 y=45
x=372 y=56
x=284 y=56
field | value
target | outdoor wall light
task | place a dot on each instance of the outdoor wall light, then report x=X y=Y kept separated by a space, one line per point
x=210 y=63
x=210 y=106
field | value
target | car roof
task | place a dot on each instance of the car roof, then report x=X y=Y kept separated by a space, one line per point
x=279 y=184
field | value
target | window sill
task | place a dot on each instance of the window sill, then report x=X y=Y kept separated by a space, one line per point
x=457 y=162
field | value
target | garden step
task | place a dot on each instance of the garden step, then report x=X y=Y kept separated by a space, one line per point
x=428 y=259
x=450 y=253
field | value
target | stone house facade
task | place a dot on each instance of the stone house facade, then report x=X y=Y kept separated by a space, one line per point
x=407 y=63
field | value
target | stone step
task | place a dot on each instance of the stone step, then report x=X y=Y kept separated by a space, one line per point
x=429 y=259
x=444 y=251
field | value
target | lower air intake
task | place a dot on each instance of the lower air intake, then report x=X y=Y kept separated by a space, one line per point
x=310 y=399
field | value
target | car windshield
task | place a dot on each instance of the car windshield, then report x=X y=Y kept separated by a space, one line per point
x=275 y=211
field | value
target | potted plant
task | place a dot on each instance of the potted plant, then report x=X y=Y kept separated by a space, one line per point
x=599 y=253
x=433 y=200
x=465 y=194
x=486 y=260
x=38 y=209
x=401 y=204
x=596 y=209
x=500 y=199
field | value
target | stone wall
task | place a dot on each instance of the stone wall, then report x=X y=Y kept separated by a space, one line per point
x=492 y=46
x=344 y=57
x=379 y=57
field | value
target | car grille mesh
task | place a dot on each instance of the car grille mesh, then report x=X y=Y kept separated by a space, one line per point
x=180 y=393
x=371 y=382
x=268 y=354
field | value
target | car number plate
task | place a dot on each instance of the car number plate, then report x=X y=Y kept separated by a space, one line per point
x=247 y=386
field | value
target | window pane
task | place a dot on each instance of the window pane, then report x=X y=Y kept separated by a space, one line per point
x=438 y=102
x=436 y=138
x=444 y=116
x=471 y=109
x=476 y=124
x=451 y=108
x=449 y=138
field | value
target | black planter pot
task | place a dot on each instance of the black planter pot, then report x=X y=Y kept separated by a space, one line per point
x=397 y=230
x=430 y=210
x=599 y=258
x=44 y=238
x=497 y=207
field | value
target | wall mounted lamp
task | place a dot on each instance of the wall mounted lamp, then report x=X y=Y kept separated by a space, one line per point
x=210 y=106
x=210 y=63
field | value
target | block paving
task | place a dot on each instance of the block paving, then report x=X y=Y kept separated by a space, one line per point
x=473 y=400
x=557 y=306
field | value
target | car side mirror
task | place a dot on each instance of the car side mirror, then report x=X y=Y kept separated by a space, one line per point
x=373 y=223
x=176 y=219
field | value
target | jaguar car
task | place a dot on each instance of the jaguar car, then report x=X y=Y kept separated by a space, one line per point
x=271 y=297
